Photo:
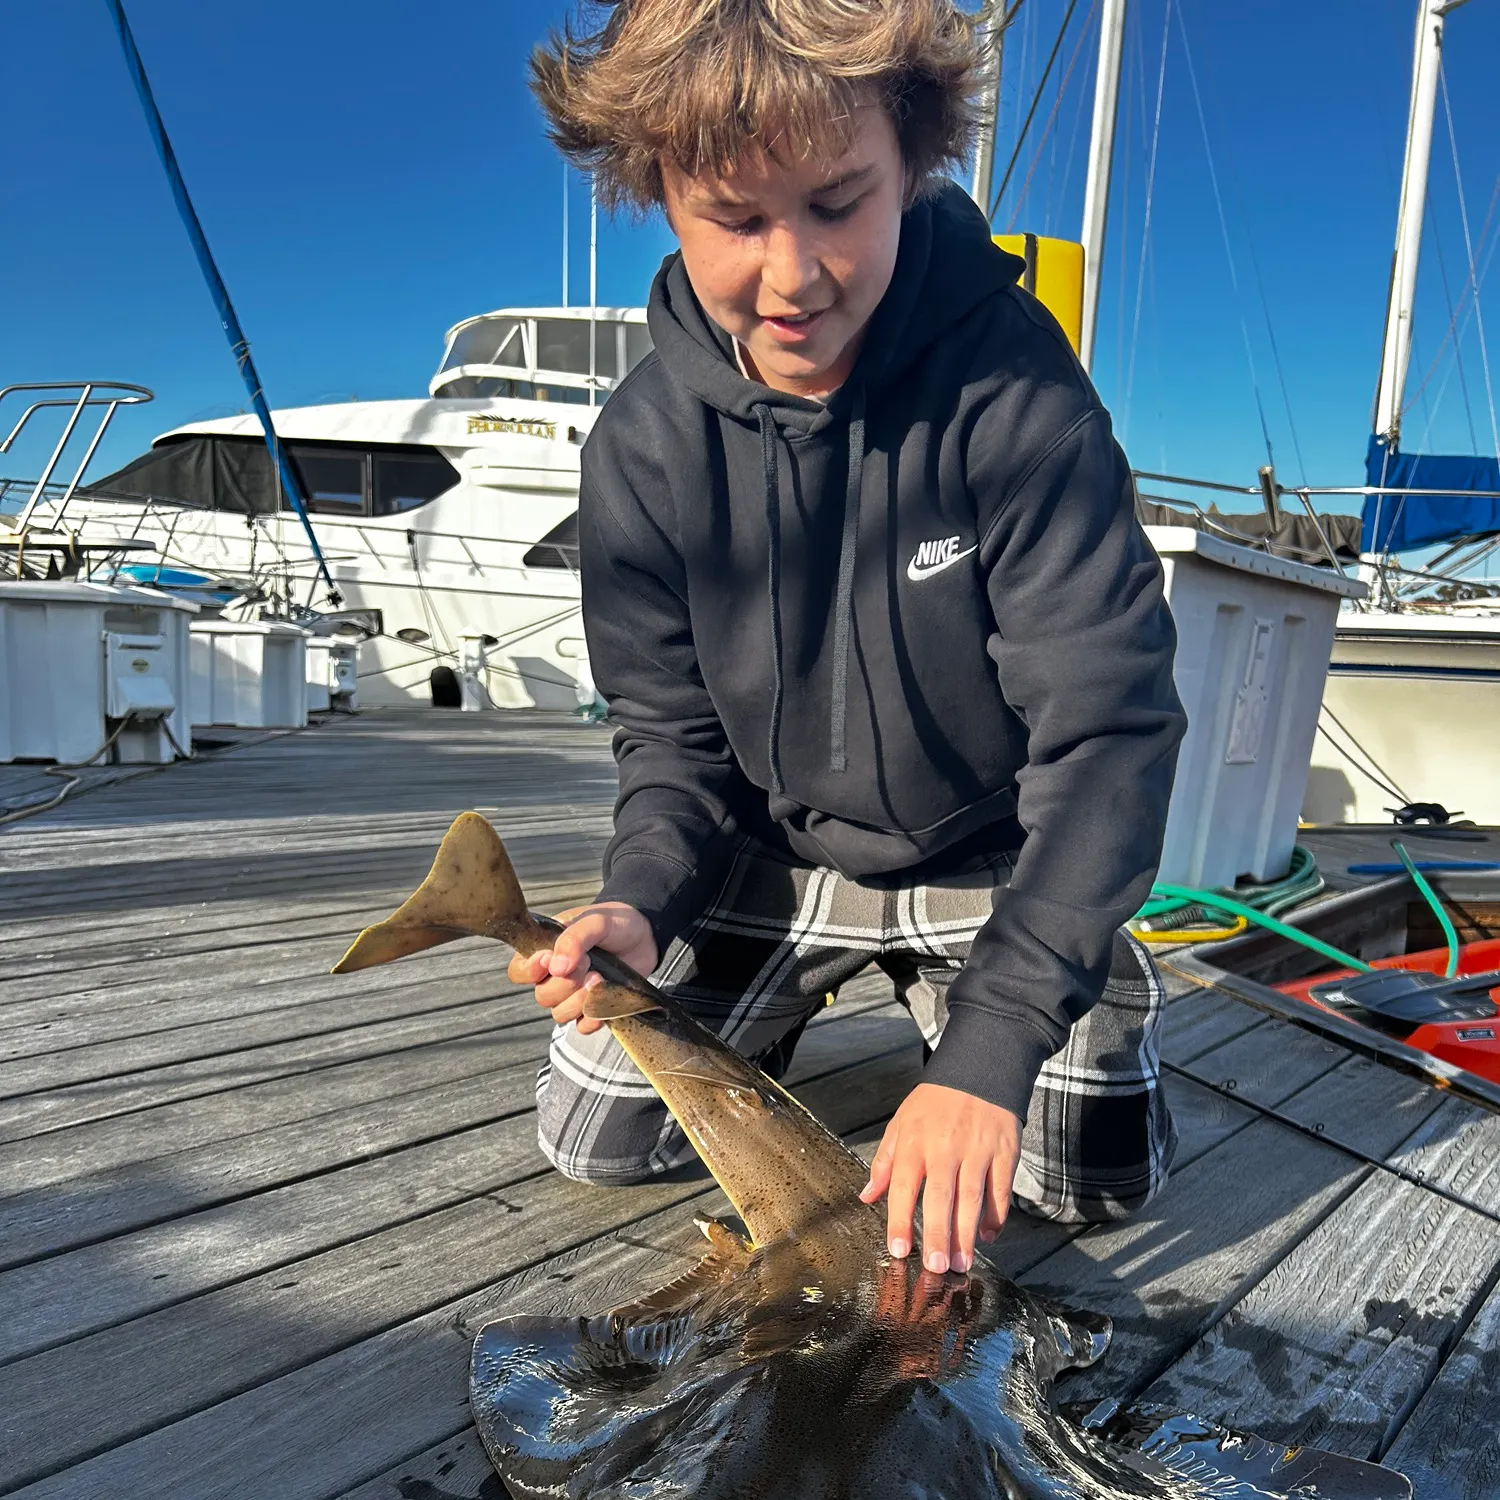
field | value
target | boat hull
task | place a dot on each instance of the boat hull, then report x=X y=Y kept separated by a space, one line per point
x=1413 y=702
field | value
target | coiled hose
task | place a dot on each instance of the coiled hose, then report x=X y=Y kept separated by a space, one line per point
x=1198 y=916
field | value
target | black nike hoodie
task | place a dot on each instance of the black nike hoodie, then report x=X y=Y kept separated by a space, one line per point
x=896 y=633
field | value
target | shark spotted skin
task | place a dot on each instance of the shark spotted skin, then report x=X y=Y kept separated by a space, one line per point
x=800 y=1362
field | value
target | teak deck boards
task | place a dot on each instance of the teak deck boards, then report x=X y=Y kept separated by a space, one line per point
x=251 y=1215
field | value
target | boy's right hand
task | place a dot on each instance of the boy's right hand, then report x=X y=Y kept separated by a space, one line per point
x=562 y=973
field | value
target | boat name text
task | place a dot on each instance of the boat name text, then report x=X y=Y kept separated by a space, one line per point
x=527 y=426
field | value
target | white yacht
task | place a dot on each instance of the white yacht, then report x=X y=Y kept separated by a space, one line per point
x=441 y=519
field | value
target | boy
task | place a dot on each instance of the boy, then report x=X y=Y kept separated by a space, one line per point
x=864 y=590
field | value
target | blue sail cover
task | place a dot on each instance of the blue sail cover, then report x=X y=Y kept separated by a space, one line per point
x=1396 y=523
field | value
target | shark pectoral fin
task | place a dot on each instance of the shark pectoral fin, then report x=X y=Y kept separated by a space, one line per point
x=553 y=1397
x=1077 y=1338
x=591 y=1406
x=1237 y=1463
x=471 y=890
x=727 y=1257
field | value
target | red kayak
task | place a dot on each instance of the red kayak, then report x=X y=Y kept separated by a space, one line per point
x=1456 y=1022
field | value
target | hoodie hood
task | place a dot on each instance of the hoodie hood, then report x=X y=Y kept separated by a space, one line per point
x=946 y=264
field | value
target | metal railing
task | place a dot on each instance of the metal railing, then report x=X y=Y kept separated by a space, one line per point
x=1391 y=582
x=110 y=394
x=392 y=549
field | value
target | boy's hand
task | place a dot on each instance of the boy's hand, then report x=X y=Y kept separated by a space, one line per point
x=562 y=973
x=966 y=1150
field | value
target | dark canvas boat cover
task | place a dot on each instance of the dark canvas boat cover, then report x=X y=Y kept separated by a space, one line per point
x=1293 y=537
x=209 y=472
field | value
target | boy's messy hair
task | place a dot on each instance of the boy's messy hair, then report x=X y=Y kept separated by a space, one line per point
x=704 y=84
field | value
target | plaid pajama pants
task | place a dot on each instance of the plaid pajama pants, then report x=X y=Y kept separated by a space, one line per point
x=1098 y=1140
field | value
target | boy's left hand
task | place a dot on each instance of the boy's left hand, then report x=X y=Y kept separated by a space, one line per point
x=966 y=1150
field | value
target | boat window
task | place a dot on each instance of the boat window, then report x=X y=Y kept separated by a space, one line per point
x=404 y=481
x=562 y=344
x=558 y=549
x=336 y=480
x=491 y=341
x=607 y=344
x=488 y=387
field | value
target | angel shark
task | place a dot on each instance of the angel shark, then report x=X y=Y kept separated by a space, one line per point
x=798 y=1361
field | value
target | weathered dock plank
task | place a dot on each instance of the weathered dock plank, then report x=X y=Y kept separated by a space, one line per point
x=1449 y=1446
x=1199 y=1021
x=1326 y=1349
x=44 y=1110
x=1169 y=1274
x=88 y=1152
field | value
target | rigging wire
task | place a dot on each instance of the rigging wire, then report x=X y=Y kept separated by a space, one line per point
x=1041 y=144
x=1036 y=100
x=1249 y=242
x=1357 y=756
x=1468 y=312
x=1140 y=283
x=1463 y=213
x=1071 y=155
x=1234 y=280
x=1463 y=310
x=1135 y=74
x=1463 y=382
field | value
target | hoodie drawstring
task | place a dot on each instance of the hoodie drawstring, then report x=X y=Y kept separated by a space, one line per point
x=843 y=604
x=773 y=586
x=843 y=600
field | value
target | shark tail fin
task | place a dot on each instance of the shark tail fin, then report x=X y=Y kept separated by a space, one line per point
x=471 y=891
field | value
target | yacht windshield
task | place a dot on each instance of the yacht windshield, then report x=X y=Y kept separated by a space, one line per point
x=490 y=341
x=542 y=358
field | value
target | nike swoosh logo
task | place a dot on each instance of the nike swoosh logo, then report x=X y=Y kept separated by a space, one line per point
x=915 y=573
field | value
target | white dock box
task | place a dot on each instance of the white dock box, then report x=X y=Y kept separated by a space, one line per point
x=332 y=674
x=249 y=674
x=77 y=659
x=1254 y=637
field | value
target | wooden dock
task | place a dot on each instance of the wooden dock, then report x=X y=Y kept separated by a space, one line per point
x=251 y=1215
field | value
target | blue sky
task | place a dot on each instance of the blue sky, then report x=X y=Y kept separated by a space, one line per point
x=370 y=173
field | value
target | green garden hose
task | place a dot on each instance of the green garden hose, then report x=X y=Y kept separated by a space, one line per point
x=1430 y=896
x=1164 y=897
x=1301 y=883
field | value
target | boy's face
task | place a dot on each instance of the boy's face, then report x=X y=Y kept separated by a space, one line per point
x=793 y=256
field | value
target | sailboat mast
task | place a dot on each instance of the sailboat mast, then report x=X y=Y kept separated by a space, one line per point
x=593 y=294
x=1396 y=354
x=1101 y=159
x=991 y=29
